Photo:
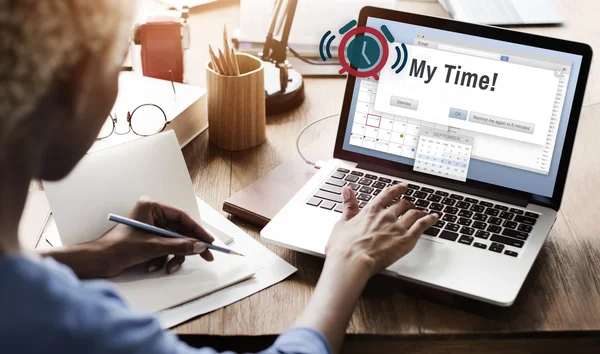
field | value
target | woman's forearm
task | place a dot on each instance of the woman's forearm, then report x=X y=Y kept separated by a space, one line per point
x=331 y=306
x=81 y=258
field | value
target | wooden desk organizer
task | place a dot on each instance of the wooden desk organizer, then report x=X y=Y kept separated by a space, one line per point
x=236 y=105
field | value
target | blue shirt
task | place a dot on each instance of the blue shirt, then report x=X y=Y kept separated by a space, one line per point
x=45 y=308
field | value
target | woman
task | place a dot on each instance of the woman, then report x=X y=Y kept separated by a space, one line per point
x=59 y=63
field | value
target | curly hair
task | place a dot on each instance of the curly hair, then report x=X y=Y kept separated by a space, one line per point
x=41 y=40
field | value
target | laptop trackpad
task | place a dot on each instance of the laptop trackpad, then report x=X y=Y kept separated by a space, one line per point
x=428 y=258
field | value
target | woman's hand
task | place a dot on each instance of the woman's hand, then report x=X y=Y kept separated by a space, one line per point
x=124 y=247
x=383 y=232
x=361 y=245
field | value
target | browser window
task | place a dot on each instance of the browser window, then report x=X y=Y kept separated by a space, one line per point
x=509 y=104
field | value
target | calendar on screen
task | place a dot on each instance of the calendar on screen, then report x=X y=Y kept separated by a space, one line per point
x=444 y=154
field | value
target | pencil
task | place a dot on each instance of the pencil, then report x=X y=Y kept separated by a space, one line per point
x=213 y=64
x=164 y=233
x=217 y=66
x=227 y=51
x=224 y=63
x=236 y=67
x=172 y=83
x=230 y=54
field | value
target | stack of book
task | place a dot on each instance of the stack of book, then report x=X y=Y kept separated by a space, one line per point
x=184 y=105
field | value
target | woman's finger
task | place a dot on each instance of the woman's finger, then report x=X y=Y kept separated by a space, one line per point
x=350 y=203
x=174 y=264
x=157 y=263
x=410 y=217
x=177 y=218
x=417 y=229
x=207 y=256
x=387 y=196
x=401 y=207
x=182 y=230
x=158 y=246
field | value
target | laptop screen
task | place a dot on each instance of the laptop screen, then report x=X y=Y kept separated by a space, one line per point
x=465 y=107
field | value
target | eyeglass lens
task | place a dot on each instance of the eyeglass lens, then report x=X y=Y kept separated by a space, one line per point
x=148 y=120
x=107 y=128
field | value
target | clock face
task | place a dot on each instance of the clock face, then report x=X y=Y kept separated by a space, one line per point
x=364 y=52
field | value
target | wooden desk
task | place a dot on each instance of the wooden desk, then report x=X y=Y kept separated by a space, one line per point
x=558 y=309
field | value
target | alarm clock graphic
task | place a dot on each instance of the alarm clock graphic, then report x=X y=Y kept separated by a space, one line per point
x=363 y=51
x=363 y=55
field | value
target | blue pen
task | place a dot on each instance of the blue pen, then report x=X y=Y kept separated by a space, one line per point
x=164 y=233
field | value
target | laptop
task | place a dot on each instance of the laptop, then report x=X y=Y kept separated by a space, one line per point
x=504 y=12
x=480 y=123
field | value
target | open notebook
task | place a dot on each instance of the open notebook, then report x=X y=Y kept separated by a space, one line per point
x=111 y=181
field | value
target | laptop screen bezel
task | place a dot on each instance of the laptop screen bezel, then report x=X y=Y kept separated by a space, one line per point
x=471 y=186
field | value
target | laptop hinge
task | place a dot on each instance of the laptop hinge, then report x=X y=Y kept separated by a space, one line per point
x=518 y=200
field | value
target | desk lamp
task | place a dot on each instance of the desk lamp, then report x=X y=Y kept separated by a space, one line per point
x=284 y=86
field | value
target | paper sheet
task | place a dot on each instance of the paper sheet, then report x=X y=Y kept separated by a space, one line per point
x=113 y=180
x=270 y=269
x=50 y=235
x=33 y=220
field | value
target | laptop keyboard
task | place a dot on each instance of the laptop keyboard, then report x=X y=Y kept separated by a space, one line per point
x=465 y=220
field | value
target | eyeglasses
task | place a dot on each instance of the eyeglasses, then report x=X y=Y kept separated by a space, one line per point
x=146 y=120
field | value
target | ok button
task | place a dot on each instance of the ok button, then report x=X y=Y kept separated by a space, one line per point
x=458 y=114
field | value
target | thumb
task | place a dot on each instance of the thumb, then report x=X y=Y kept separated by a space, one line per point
x=177 y=247
x=350 y=203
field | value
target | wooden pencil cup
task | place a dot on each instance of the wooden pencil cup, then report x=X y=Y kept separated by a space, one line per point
x=236 y=105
